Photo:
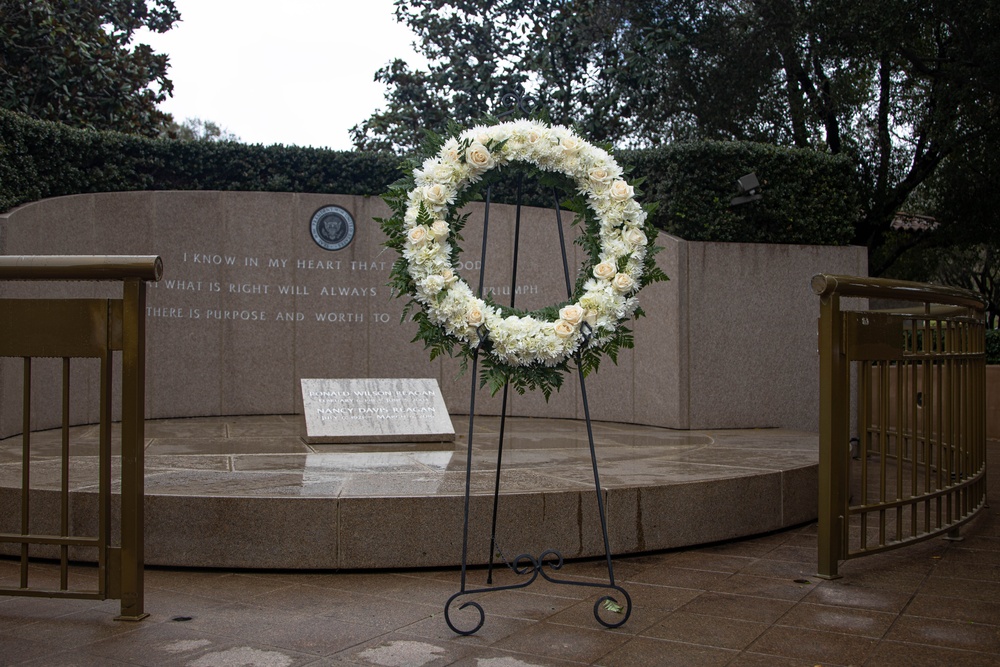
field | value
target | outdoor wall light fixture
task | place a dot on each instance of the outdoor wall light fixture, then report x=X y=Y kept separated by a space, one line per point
x=747 y=187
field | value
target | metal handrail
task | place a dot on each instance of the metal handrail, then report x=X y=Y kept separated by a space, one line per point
x=884 y=288
x=912 y=382
x=87 y=328
x=81 y=267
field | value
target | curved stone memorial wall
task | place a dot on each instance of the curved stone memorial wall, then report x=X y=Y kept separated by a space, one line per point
x=261 y=290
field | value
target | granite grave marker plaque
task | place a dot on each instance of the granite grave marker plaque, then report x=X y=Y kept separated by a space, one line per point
x=382 y=410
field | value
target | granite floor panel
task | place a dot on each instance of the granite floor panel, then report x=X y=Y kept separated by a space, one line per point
x=212 y=618
x=752 y=602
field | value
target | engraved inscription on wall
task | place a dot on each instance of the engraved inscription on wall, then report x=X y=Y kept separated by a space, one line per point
x=213 y=287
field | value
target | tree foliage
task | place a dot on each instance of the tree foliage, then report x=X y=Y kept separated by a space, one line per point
x=196 y=129
x=963 y=248
x=897 y=86
x=74 y=61
x=974 y=267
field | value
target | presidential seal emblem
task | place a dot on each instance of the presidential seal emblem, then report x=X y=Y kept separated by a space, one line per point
x=332 y=228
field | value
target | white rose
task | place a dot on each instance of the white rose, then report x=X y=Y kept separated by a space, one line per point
x=605 y=271
x=623 y=283
x=417 y=235
x=572 y=314
x=436 y=194
x=439 y=230
x=590 y=317
x=563 y=328
x=478 y=156
x=474 y=316
x=571 y=144
x=449 y=277
x=634 y=237
x=620 y=190
x=599 y=175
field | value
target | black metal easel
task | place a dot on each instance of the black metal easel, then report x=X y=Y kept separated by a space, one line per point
x=525 y=564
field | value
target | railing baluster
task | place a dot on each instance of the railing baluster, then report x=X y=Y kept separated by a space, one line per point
x=64 y=485
x=25 y=467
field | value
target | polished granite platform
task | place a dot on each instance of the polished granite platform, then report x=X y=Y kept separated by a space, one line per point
x=248 y=492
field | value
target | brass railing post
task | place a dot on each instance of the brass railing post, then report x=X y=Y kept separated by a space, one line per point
x=834 y=441
x=133 y=444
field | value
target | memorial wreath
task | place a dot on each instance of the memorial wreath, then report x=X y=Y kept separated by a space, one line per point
x=528 y=350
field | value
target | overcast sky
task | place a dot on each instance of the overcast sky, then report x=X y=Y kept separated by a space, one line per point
x=294 y=72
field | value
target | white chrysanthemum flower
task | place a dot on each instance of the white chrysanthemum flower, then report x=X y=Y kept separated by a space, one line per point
x=431 y=285
x=616 y=247
x=634 y=267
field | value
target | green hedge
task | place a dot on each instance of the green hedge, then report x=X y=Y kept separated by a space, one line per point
x=808 y=197
x=40 y=159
